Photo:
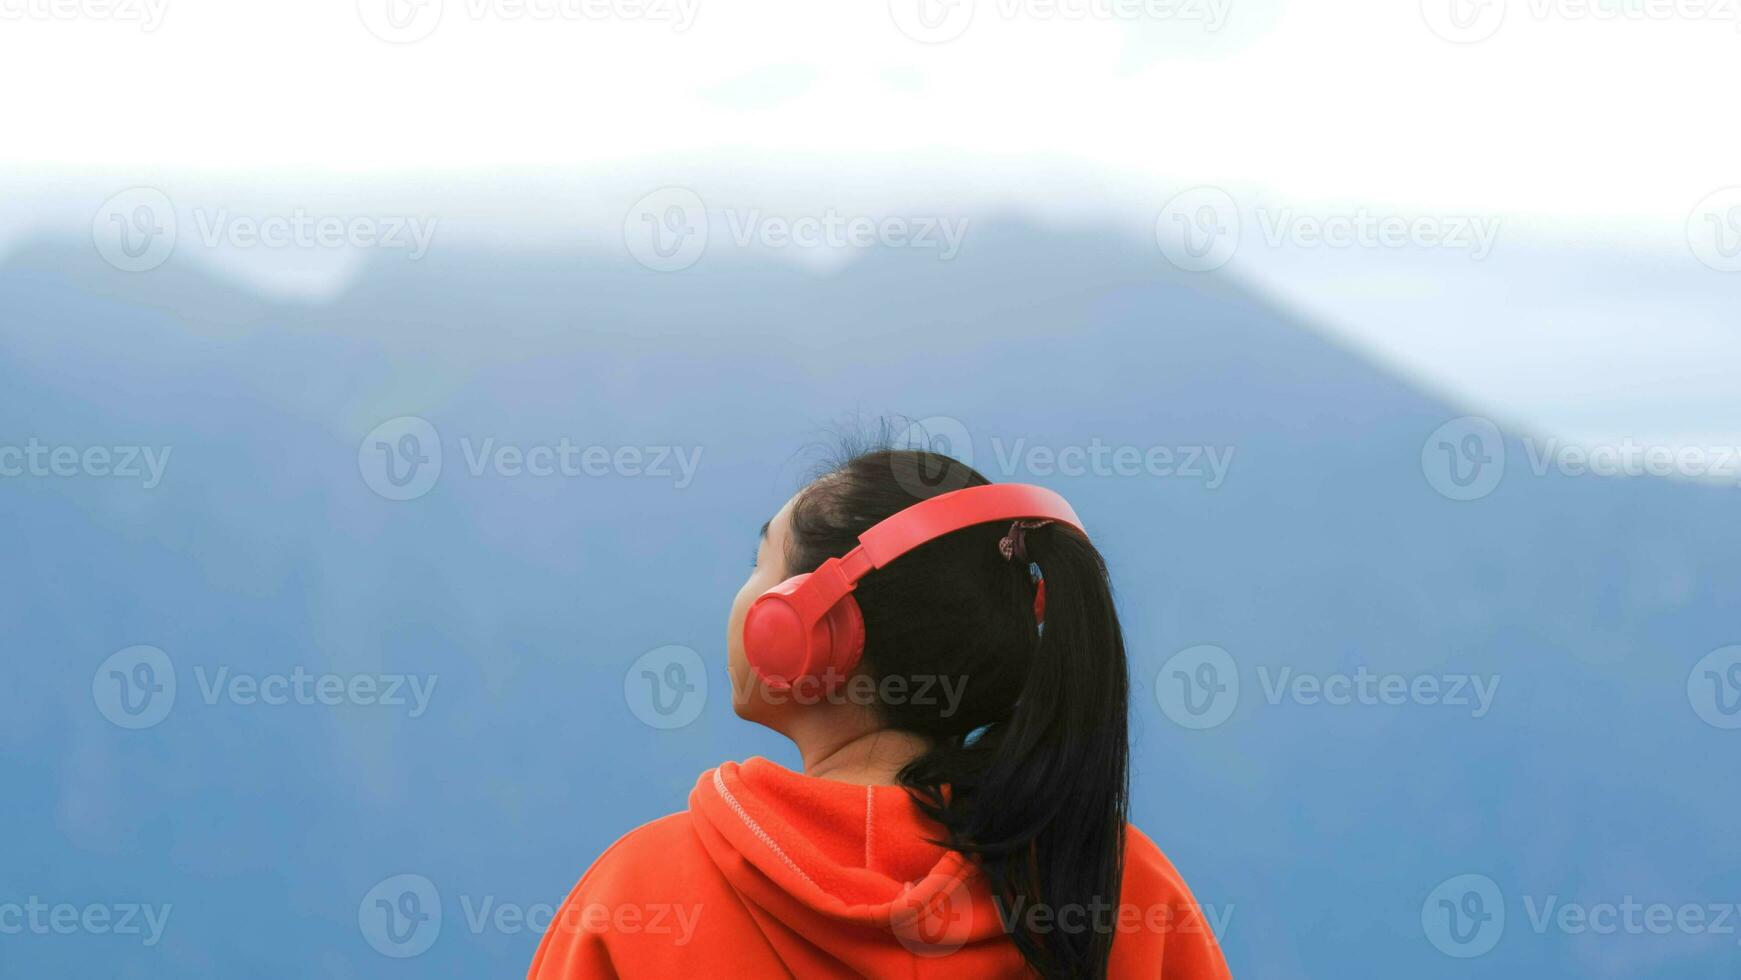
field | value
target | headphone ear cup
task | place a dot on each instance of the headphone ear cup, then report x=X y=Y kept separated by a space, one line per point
x=774 y=640
x=845 y=625
x=781 y=650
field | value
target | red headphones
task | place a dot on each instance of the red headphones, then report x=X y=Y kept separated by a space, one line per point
x=810 y=625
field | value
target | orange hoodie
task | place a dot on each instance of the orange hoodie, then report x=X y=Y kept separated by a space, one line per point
x=772 y=873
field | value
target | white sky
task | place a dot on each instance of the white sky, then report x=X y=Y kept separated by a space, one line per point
x=1555 y=113
x=1595 y=123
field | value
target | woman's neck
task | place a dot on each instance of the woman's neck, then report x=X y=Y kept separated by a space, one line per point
x=865 y=758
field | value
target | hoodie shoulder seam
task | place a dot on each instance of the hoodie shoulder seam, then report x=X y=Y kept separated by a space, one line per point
x=870 y=810
x=756 y=828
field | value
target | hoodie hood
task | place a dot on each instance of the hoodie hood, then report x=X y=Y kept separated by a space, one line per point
x=836 y=874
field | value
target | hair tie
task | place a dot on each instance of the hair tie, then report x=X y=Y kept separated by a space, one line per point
x=1014 y=544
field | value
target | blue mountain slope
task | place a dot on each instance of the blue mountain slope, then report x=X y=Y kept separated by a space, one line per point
x=1320 y=829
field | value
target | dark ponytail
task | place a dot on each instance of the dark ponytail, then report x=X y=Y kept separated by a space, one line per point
x=1028 y=772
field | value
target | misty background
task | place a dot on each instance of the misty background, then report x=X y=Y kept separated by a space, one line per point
x=1389 y=348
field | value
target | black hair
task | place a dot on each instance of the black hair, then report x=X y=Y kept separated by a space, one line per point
x=1029 y=774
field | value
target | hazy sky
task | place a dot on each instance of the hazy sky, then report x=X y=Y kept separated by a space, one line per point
x=1560 y=110
x=1589 y=140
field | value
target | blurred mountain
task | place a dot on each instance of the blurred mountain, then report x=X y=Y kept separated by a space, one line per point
x=1324 y=550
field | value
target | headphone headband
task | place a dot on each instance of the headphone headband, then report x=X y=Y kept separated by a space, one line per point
x=931 y=519
x=810 y=621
